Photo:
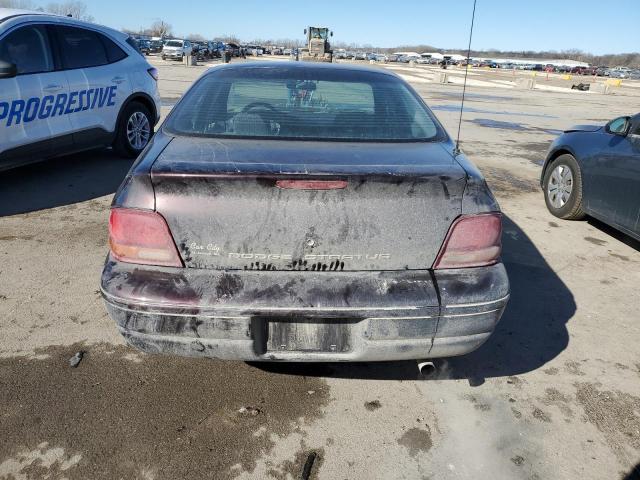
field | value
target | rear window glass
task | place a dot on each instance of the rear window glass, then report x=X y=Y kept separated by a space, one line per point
x=81 y=48
x=303 y=103
x=173 y=43
x=114 y=52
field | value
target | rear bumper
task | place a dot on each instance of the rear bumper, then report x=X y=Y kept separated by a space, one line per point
x=366 y=316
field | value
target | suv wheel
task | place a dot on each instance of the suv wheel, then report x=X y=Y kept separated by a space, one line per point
x=134 y=130
x=563 y=188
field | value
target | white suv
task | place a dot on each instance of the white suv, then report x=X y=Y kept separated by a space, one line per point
x=67 y=86
x=176 y=49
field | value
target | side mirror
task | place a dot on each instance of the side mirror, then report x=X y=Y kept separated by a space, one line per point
x=619 y=126
x=7 y=69
x=331 y=33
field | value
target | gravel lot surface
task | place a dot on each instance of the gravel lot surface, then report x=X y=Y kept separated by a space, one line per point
x=555 y=393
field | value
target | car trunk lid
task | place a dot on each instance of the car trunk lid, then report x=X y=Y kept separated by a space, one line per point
x=279 y=205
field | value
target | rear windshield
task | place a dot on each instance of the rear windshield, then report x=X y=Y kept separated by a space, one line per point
x=303 y=103
x=173 y=43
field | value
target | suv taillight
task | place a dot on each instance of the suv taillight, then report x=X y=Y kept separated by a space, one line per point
x=141 y=236
x=472 y=241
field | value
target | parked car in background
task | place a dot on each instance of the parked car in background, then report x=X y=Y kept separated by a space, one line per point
x=216 y=49
x=253 y=50
x=340 y=53
x=68 y=86
x=176 y=49
x=196 y=269
x=202 y=50
x=595 y=170
x=232 y=48
x=155 y=46
x=619 y=72
x=579 y=71
x=144 y=46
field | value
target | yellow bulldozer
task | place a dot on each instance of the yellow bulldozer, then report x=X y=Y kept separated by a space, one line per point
x=318 y=48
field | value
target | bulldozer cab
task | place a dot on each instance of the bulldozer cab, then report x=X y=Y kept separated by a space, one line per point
x=318 y=48
x=317 y=33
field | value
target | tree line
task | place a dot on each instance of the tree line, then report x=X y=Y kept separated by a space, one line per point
x=78 y=9
x=631 y=59
x=75 y=8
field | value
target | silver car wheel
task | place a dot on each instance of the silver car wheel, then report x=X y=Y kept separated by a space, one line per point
x=560 y=186
x=138 y=130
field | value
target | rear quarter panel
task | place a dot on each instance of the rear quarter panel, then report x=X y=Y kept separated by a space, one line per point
x=586 y=148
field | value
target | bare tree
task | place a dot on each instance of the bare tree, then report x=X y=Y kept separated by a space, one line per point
x=21 y=4
x=228 y=39
x=160 y=28
x=75 y=8
x=196 y=37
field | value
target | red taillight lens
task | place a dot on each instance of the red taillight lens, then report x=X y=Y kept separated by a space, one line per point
x=141 y=236
x=472 y=241
x=154 y=73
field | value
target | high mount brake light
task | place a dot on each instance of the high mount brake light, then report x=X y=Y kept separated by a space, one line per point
x=472 y=241
x=312 y=184
x=141 y=236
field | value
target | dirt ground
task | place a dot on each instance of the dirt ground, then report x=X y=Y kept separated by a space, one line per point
x=554 y=393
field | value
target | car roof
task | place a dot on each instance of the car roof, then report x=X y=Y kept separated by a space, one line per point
x=296 y=66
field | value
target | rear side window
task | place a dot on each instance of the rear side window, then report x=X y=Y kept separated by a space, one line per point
x=114 y=52
x=28 y=48
x=311 y=103
x=81 y=48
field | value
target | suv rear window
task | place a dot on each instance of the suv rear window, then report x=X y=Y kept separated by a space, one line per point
x=304 y=103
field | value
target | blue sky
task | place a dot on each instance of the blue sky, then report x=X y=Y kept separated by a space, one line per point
x=595 y=26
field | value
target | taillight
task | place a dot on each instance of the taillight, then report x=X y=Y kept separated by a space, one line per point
x=472 y=241
x=141 y=236
x=153 y=72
